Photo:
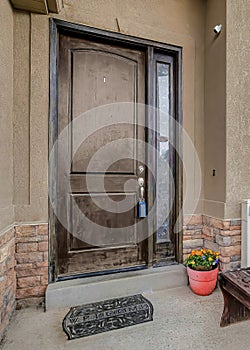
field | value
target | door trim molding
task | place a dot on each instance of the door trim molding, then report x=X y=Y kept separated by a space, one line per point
x=59 y=26
x=65 y=27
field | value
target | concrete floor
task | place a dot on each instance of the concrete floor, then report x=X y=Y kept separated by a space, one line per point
x=182 y=321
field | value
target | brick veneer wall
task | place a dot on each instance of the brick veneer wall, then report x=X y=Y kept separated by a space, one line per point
x=223 y=236
x=7 y=278
x=24 y=257
x=192 y=234
x=31 y=263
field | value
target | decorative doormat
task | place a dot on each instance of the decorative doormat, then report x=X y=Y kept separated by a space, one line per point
x=107 y=315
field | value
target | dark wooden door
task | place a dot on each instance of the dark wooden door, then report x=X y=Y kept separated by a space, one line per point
x=100 y=234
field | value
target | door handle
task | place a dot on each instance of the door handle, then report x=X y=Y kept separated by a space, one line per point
x=141 y=192
x=141 y=187
x=142 y=207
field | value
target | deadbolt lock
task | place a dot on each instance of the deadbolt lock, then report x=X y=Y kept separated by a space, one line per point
x=141 y=169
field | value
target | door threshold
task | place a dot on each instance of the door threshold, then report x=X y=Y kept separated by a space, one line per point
x=100 y=273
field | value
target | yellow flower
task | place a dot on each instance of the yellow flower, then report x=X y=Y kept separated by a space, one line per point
x=210 y=259
x=192 y=262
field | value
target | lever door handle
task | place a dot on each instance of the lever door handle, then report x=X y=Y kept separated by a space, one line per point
x=141 y=192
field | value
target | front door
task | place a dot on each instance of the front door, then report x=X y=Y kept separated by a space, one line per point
x=93 y=77
x=104 y=165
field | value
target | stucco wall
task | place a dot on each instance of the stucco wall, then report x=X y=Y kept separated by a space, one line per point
x=31 y=96
x=238 y=106
x=173 y=22
x=215 y=110
x=6 y=103
x=7 y=238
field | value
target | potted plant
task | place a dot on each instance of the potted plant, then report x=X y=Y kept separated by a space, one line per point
x=202 y=270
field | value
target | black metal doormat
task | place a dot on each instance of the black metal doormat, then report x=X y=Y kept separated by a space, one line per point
x=107 y=315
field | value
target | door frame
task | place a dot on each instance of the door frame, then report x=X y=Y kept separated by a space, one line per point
x=149 y=47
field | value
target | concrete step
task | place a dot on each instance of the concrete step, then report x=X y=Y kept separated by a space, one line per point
x=93 y=289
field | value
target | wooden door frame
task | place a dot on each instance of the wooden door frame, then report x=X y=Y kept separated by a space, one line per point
x=149 y=47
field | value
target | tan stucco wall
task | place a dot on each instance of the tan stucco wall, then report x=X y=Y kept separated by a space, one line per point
x=173 y=22
x=238 y=106
x=215 y=109
x=6 y=104
x=31 y=95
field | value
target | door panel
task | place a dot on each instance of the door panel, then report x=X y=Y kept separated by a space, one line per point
x=91 y=75
x=105 y=218
x=103 y=78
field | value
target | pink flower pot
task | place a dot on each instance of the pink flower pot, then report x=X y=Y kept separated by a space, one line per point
x=202 y=282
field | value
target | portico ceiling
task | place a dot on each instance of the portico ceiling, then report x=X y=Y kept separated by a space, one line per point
x=38 y=6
